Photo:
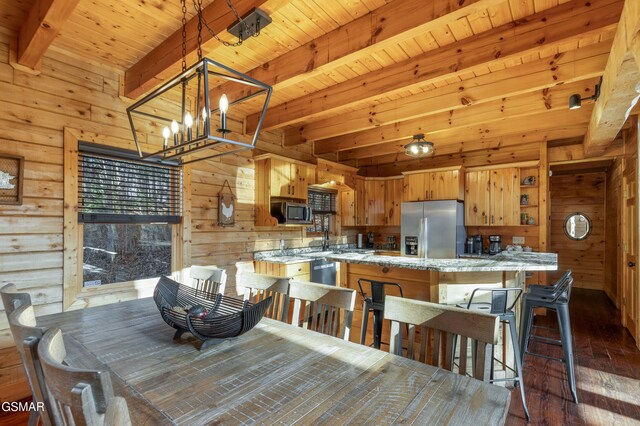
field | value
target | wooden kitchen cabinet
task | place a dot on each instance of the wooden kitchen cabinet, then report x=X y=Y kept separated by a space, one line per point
x=393 y=200
x=279 y=177
x=492 y=197
x=348 y=208
x=361 y=214
x=374 y=190
x=440 y=184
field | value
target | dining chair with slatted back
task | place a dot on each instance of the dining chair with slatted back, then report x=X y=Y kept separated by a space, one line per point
x=27 y=335
x=83 y=397
x=11 y=299
x=208 y=279
x=258 y=287
x=324 y=308
x=437 y=328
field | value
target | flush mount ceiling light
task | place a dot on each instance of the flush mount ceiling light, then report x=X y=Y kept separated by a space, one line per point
x=575 y=101
x=419 y=147
x=190 y=112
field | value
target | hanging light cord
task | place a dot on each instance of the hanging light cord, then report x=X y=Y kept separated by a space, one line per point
x=184 y=34
x=197 y=4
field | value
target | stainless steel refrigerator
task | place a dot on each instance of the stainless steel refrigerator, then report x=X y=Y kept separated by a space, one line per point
x=433 y=229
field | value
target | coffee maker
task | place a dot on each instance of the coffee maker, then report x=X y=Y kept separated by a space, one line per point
x=370 y=237
x=495 y=244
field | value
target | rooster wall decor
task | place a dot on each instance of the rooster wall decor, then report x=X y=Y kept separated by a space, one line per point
x=226 y=206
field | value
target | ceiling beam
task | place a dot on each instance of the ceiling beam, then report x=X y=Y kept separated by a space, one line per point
x=41 y=27
x=382 y=28
x=559 y=25
x=620 y=83
x=508 y=108
x=382 y=123
x=559 y=124
x=165 y=59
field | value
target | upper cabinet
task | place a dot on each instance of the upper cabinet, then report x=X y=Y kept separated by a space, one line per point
x=393 y=201
x=374 y=190
x=288 y=178
x=440 y=184
x=492 y=197
x=281 y=177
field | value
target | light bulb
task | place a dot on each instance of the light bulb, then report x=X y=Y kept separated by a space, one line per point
x=414 y=149
x=166 y=132
x=425 y=149
x=174 y=127
x=224 y=104
x=188 y=120
x=204 y=114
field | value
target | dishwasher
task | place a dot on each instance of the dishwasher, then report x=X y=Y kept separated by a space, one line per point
x=324 y=271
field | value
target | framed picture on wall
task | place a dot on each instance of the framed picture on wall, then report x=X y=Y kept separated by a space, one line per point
x=11 y=174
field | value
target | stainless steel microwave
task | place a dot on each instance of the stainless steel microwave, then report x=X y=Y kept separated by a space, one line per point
x=291 y=212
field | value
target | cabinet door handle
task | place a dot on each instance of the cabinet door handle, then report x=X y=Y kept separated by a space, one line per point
x=493 y=220
x=293 y=190
x=431 y=196
x=486 y=219
x=631 y=264
x=426 y=195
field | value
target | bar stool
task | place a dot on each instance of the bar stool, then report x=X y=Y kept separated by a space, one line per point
x=500 y=307
x=374 y=304
x=557 y=300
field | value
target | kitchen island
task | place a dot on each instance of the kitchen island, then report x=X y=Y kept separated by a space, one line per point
x=448 y=281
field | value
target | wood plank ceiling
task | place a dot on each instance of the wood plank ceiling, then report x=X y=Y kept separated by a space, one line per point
x=357 y=78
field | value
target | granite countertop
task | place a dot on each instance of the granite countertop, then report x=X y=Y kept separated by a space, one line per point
x=505 y=261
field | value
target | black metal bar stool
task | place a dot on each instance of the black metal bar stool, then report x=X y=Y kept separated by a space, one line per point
x=375 y=304
x=557 y=300
x=500 y=306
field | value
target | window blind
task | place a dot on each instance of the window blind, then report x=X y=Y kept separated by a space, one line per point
x=122 y=190
x=322 y=201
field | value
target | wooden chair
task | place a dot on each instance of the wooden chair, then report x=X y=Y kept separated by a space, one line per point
x=26 y=336
x=322 y=307
x=258 y=287
x=208 y=279
x=11 y=299
x=444 y=324
x=84 y=397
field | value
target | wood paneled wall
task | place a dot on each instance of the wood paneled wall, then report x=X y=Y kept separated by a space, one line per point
x=84 y=96
x=583 y=193
x=612 y=231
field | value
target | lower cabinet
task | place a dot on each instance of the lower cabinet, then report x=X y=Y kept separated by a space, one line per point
x=298 y=271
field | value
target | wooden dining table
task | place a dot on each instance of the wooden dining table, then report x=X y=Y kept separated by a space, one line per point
x=274 y=374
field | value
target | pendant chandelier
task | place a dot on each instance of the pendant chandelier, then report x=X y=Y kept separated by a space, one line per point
x=202 y=108
x=419 y=147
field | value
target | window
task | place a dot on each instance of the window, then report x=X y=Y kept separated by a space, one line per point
x=323 y=205
x=126 y=209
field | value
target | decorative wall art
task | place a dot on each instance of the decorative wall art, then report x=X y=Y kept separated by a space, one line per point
x=226 y=206
x=11 y=173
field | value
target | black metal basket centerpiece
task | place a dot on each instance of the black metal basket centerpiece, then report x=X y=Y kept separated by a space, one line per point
x=207 y=316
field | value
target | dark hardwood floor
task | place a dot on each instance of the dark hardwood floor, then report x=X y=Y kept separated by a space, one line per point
x=607 y=370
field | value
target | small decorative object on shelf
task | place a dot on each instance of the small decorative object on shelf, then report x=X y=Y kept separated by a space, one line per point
x=524 y=218
x=208 y=317
x=524 y=200
x=529 y=181
x=531 y=221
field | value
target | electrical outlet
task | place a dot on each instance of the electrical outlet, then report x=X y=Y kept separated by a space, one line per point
x=518 y=240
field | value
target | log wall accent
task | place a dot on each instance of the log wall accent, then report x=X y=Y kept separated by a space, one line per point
x=583 y=193
x=613 y=229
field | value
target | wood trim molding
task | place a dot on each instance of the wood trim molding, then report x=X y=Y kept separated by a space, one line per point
x=520 y=165
x=440 y=169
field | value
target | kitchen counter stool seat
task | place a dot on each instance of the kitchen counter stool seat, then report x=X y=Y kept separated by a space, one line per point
x=557 y=300
x=374 y=303
x=501 y=307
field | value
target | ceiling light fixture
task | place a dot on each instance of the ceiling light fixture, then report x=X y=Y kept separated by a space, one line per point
x=575 y=101
x=419 y=147
x=179 y=118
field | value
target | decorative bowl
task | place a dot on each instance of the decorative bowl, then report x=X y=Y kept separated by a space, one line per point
x=207 y=316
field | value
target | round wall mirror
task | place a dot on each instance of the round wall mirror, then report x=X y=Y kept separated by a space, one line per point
x=577 y=226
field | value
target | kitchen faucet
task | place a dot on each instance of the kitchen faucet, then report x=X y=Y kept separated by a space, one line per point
x=325 y=240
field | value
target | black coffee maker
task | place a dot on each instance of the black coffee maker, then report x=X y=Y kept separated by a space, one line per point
x=495 y=244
